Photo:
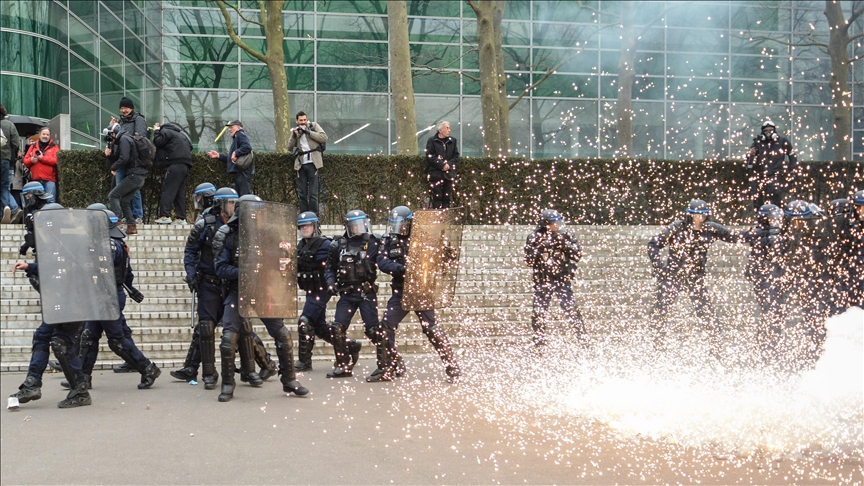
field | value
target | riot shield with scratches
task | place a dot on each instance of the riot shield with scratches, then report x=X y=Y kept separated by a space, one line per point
x=267 y=260
x=76 y=266
x=432 y=264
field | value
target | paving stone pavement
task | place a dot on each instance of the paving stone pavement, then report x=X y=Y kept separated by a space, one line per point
x=344 y=432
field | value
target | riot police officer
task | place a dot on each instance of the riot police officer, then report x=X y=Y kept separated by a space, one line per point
x=61 y=339
x=237 y=331
x=391 y=260
x=767 y=167
x=215 y=207
x=552 y=254
x=312 y=251
x=351 y=273
x=765 y=270
x=688 y=241
x=33 y=198
x=118 y=341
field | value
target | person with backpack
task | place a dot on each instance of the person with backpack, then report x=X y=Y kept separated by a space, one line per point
x=126 y=156
x=41 y=159
x=308 y=143
x=132 y=122
x=9 y=149
x=174 y=152
x=235 y=158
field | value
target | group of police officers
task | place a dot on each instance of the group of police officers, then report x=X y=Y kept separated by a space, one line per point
x=800 y=256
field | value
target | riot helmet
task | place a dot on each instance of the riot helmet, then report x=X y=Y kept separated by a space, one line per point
x=551 y=220
x=840 y=206
x=204 y=196
x=113 y=230
x=770 y=215
x=797 y=210
x=308 y=225
x=51 y=206
x=356 y=223
x=97 y=207
x=246 y=198
x=399 y=221
x=225 y=200
x=33 y=195
x=858 y=198
x=697 y=210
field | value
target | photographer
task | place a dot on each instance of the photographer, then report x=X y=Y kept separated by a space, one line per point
x=307 y=143
x=442 y=153
x=41 y=159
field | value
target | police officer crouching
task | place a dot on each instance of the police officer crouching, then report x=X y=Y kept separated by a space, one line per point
x=351 y=273
x=237 y=331
x=391 y=260
x=553 y=254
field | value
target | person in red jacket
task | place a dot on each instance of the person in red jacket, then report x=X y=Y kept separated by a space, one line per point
x=41 y=159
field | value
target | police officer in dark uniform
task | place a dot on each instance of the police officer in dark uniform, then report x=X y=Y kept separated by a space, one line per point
x=312 y=251
x=688 y=241
x=61 y=339
x=391 y=260
x=765 y=271
x=237 y=331
x=351 y=273
x=33 y=198
x=552 y=253
x=120 y=343
x=767 y=167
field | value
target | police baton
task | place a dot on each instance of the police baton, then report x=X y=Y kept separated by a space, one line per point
x=194 y=294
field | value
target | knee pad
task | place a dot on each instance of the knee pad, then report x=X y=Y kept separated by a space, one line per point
x=228 y=343
x=283 y=338
x=304 y=326
x=430 y=331
x=206 y=329
x=246 y=327
x=58 y=346
x=116 y=345
x=87 y=337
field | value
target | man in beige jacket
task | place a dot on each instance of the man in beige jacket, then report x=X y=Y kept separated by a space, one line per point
x=308 y=144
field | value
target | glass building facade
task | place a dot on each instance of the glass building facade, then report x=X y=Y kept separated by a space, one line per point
x=707 y=73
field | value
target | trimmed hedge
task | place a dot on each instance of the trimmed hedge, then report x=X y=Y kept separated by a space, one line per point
x=512 y=191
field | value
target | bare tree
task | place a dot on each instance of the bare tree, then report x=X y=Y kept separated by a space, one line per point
x=401 y=83
x=493 y=92
x=837 y=48
x=270 y=20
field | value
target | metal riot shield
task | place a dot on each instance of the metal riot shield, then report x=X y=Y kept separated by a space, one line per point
x=268 y=260
x=432 y=264
x=76 y=266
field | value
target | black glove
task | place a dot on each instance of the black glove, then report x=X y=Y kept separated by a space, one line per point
x=332 y=290
x=23 y=250
x=134 y=293
x=192 y=282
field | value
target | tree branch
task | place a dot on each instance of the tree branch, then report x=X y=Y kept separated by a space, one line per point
x=229 y=26
x=237 y=9
x=549 y=72
x=856 y=37
x=855 y=15
x=592 y=9
x=474 y=6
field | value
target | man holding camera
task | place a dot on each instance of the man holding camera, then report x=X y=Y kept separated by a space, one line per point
x=308 y=142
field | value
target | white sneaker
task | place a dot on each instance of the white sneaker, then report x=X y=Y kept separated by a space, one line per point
x=180 y=222
x=163 y=220
x=7 y=216
x=139 y=221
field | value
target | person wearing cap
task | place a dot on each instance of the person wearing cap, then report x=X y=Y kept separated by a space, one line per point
x=552 y=254
x=688 y=241
x=131 y=122
x=239 y=146
x=174 y=153
x=767 y=167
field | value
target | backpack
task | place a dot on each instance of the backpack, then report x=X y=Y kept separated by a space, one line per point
x=146 y=151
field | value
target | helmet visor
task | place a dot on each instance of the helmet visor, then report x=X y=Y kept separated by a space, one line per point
x=357 y=226
x=307 y=230
x=28 y=199
x=199 y=202
x=398 y=226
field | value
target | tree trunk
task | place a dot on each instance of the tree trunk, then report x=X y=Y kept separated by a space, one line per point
x=401 y=84
x=486 y=11
x=276 y=67
x=626 y=75
x=503 y=106
x=838 y=43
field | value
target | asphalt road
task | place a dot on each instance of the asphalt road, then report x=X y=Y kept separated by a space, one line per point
x=417 y=430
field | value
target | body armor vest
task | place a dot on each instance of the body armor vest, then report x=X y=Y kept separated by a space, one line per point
x=396 y=250
x=121 y=266
x=310 y=273
x=210 y=227
x=354 y=267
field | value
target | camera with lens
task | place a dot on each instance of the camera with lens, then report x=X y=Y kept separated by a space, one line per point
x=107 y=135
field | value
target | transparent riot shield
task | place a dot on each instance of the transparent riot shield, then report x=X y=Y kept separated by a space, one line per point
x=432 y=264
x=76 y=266
x=268 y=260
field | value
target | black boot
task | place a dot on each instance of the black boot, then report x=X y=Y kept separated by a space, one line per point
x=263 y=359
x=125 y=368
x=65 y=383
x=185 y=374
x=291 y=385
x=210 y=381
x=227 y=350
x=285 y=350
x=151 y=372
x=207 y=350
x=246 y=347
x=305 y=345
x=342 y=367
x=77 y=397
x=438 y=339
x=30 y=390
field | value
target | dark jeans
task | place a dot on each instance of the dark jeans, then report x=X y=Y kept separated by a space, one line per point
x=544 y=292
x=120 y=197
x=5 y=186
x=42 y=348
x=243 y=183
x=174 y=191
x=307 y=188
x=440 y=191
